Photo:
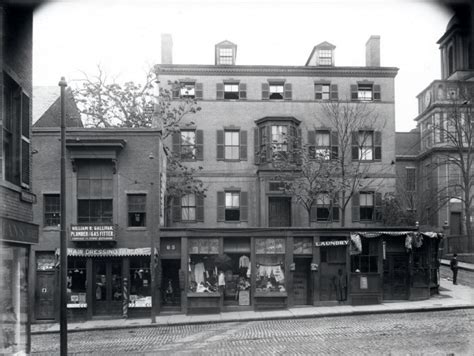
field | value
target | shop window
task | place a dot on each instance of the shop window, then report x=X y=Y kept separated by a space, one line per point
x=136 y=209
x=270 y=265
x=367 y=260
x=205 y=265
x=237 y=271
x=140 y=279
x=52 y=210
x=76 y=283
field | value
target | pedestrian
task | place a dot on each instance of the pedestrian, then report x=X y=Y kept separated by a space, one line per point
x=454 y=268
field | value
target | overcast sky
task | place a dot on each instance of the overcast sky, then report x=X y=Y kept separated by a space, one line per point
x=71 y=36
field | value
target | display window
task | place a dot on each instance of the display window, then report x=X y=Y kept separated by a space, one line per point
x=140 y=278
x=269 y=266
x=205 y=266
x=367 y=260
x=76 y=283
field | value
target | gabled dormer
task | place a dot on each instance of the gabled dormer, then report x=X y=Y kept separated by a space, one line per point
x=322 y=55
x=226 y=53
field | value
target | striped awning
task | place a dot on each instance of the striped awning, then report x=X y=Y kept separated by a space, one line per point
x=106 y=252
x=373 y=234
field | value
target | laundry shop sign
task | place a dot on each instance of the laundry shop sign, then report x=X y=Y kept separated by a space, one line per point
x=93 y=233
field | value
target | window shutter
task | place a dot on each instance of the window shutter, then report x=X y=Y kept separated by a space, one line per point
x=287 y=91
x=334 y=93
x=377 y=94
x=219 y=91
x=243 y=145
x=355 y=207
x=244 y=209
x=312 y=144
x=299 y=145
x=354 y=90
x=176 y=209
x=355 y=145
x=265 y=91
x=334 y=145
x=335 y=213
x=199 y=208
x=242 y=91
x=199 y=145
x=268 y=143
x=25 y=140
x=378 y=207
x=220 y=145
x=176 y=142
x=198 y=91
x=256 y=146
x=318 y=88
x=377 y=145
x=220 y=206
x=175 y=87
x=313 y=213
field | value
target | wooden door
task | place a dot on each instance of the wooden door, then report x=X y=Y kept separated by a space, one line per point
x=44 y=296
x=395 y=277
x=279 y=211
x=301 y=281
x=107 y=292
x=455 y=224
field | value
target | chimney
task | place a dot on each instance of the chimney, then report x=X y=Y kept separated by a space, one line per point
x=372 y=52
x=166 y=49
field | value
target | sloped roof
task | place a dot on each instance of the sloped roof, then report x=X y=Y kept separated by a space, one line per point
x=43 y=98
x=51 y=117
x=407 y=143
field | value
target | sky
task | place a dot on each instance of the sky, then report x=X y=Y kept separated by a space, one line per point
x=73 y=37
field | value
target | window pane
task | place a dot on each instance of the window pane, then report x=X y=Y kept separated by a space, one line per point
x=228 y=199
x=322 y=138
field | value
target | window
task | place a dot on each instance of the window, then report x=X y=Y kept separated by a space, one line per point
x=94 y=191
x=367 y=145
x=188 y=144
x=367 y=260
x=411 y=179
x=136 y=209
x=325 y=57
x=366 y=206
x=232 y=148
x=226 y=56
x=187 y=90
x=323 y=147
x=16 y=133
x=365 y=92
x=231 y=91
x=326 y=209
x=276 y=91
x=279 y=138
x=188 y=207
x=232 y=206
x=322 y=91
x=52 y=210
x=76 y=282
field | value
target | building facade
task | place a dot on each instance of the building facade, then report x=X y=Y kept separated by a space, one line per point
x=18 y=232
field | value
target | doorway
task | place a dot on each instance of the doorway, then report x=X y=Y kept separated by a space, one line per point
x=395 y=277
x=455 y=224
x=170 y=291
x=107 y=292
x=44 y=301
x=279 y=211
x=302 y=286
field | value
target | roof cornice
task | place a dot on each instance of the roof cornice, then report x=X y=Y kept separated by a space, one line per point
x=265 y=70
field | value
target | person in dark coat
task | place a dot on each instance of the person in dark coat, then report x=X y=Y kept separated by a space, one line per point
x=454 y=268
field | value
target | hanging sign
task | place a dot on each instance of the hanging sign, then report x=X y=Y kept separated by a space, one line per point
x=92 y=233
x=331 y=243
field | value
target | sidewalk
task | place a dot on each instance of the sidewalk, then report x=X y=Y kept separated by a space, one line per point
x=461 y=265
x=450 y=297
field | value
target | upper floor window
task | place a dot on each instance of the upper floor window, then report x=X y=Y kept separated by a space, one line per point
x=410 y=179
x=324 y=57
x=366 y=145
x=232 y=147
x=367 y=206
x=323 y=144
x=326 y=209
x=188 y=144
x=276 y=139
x=226 y=56
x=136 y=209
x=52 y=210
x=276 y=90
x=279 y=138
x=232 y=205
x=365 y=92
x=325 y=91
x=188 y=207
x=231 y=91
x=187 y=89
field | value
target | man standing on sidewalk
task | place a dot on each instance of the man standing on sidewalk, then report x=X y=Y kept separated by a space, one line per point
x=454 y=268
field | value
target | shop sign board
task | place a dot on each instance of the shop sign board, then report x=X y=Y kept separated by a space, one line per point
x=92 y=233
x=331 y=243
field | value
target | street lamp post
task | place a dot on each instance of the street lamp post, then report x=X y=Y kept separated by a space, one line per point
x=62 y=237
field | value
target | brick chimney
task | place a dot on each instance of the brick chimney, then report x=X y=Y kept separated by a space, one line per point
x=166 y=49
x=372 y=52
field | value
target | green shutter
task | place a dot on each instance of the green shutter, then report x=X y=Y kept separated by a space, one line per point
x=198 y=91
x=265 y=91
x=176 y=210
x=25 y=142
x=354 y=92
x=334 y=145
x=377 y=93
x=244 y=209
x=355 y=207
x=220 y=145
x=378 y=207
x=199 y=145
x=287 y=91
x=220 y=206
x=312 y=144
x=200 y=208
x=334 y=93
x=243 y=145
x=219 y=91
x=242 y=91
x=377 y=145
x=355 y=145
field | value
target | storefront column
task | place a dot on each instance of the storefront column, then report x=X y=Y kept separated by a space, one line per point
x=315 y=274
x=348 y=272
x=90 y=288
x=184 y=275
x=253 y=270
x=288 y=262
x=125 y=286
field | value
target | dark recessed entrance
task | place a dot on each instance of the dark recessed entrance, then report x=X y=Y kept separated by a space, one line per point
x=170 y=291
x=107 y=292
x=279 y=211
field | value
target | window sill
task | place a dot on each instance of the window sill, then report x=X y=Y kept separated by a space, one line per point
x=51 y=228
x=232 y=221
x=136 y=228
x=11 y=186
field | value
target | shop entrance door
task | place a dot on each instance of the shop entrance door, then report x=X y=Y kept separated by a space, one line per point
x=170 y=291
x=395 y=277
x=301 y=281
x=44 y=301
x=107 y=292
x=279 y=211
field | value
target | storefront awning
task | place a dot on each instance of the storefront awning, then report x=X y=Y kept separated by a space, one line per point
x=106 y=252
x=374 y=234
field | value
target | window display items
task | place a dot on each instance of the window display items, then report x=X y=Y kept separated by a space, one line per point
x=140 y=290
x=270 y=278
x=76 y=284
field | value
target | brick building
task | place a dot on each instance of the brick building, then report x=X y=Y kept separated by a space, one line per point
x=17 y=230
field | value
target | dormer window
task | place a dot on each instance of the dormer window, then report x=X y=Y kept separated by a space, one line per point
x=225 y=56
x=225 y=53
x=325 y=57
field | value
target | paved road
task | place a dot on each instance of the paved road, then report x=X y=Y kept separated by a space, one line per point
x=433 y=333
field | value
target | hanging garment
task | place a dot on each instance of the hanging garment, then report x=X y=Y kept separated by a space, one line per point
x=244 y=261
x=199 y=273
x=273 y=271
x=409 y=242
x=356 y=244
x=221 y=281
x=248 y=270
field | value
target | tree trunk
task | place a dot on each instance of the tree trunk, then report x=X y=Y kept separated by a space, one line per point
x=343 y=209
x=309 y=217
x=467 y=214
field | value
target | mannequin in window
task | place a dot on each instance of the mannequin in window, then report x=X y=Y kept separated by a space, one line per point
x=244 y=263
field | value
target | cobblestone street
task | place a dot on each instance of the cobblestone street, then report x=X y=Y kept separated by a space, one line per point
x=440 y=333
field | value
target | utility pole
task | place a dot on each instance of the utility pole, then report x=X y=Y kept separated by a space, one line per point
x=62 y=236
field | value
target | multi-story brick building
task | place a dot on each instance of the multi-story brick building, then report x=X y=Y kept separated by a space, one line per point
x=17 y=230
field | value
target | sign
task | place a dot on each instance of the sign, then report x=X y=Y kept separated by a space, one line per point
x=28 y=197
x=314 y=266
x=106 y=252
x=331 y=243
x=92 y=233
x=18 y=231
x=244 y=297
x=364 y=283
